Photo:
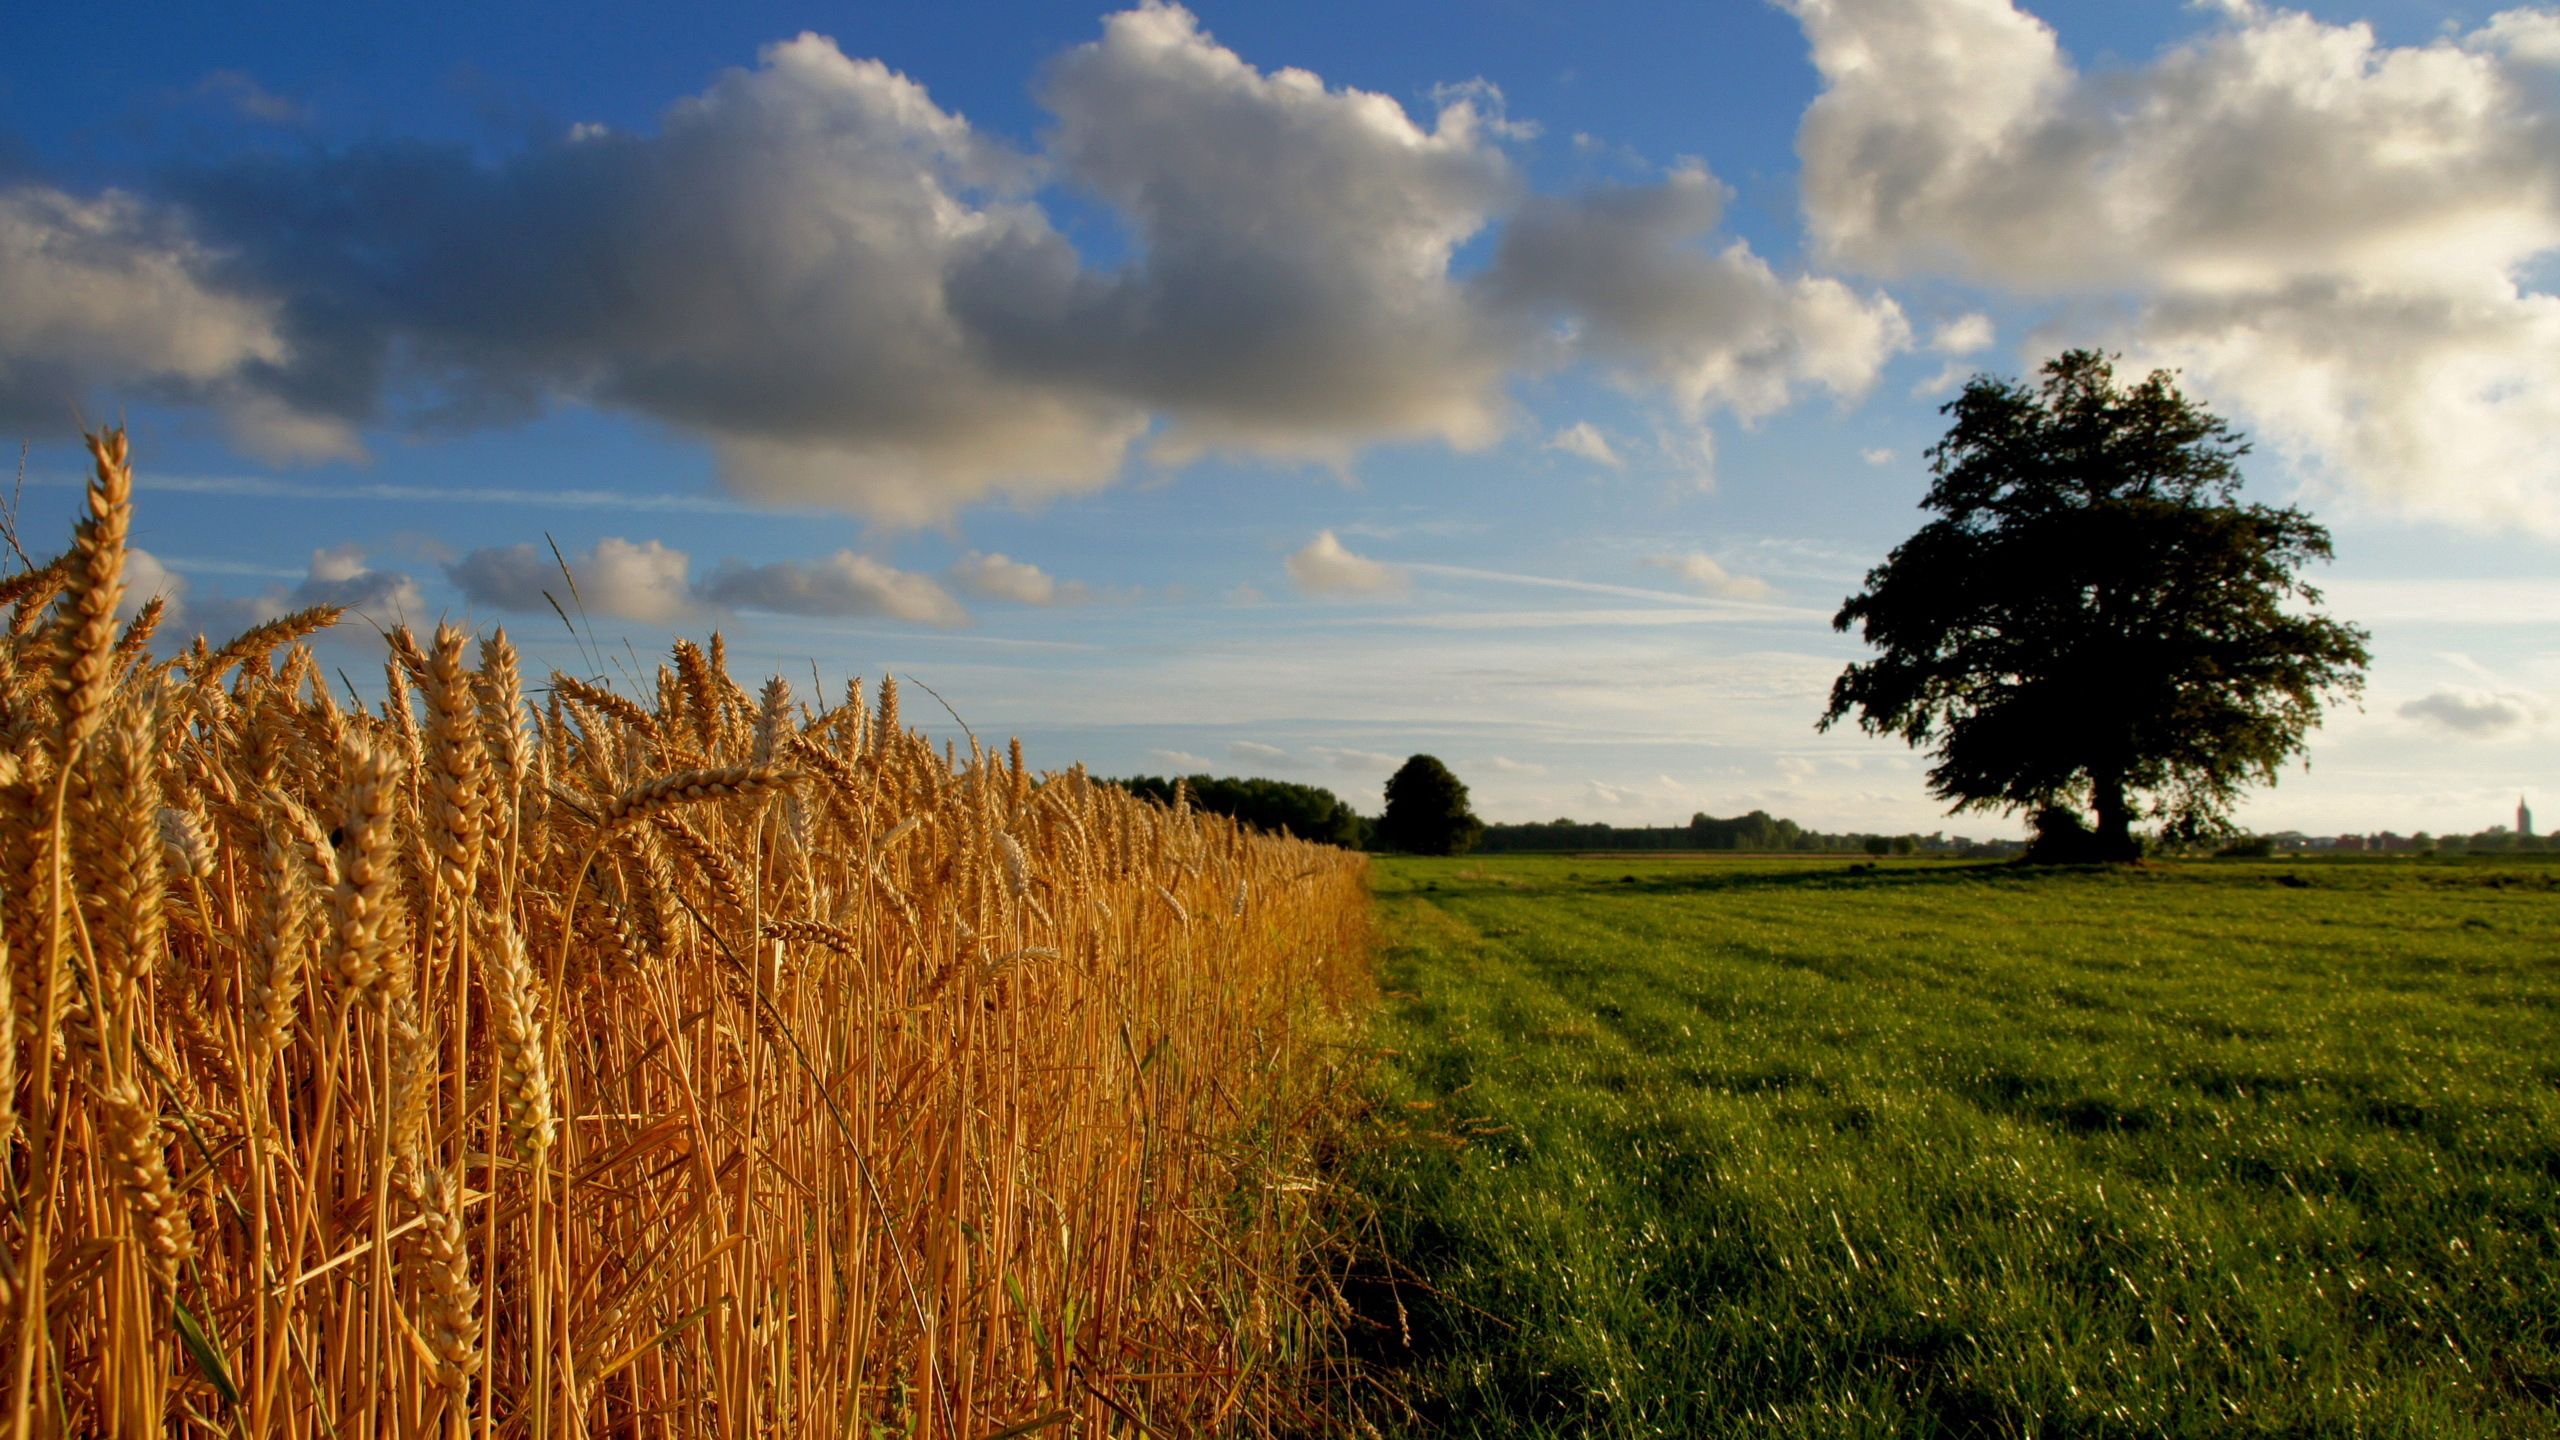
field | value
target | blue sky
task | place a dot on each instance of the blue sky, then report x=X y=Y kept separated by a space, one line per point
x=1287 y=389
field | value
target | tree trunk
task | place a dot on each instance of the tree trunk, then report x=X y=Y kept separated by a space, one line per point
x=2114 y=838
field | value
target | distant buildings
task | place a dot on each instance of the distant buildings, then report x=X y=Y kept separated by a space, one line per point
x=2524 y=817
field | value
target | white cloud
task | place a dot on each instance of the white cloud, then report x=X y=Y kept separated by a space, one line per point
x=1000 y=577
x=1947 y=377
x=144 y=577
x=1877 y=455
x=1963 y=335
x=859 y=301
x=1626 y=270
x=2475 y=713
x=1323 y=567
x=1505 y=765
x=1703 y=574
x=844 y=584
x=1183 y=762
x=1360 y=762
x=2330 y=235
x=1295 y=297
x=107 y=291
x=622 y=579
x=1585 y=440
x=2528 y=36
x=1254 y=752
x=337 y=575
x=1615 y=797
x=340 y=576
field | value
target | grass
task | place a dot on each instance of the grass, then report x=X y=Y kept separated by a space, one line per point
x=1776 y=1147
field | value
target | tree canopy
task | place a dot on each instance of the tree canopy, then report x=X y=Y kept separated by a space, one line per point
x=2094 y=620
x=1427 y=811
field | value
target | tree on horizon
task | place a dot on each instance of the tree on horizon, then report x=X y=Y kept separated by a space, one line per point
x=1426 y=811
x=2094 y=621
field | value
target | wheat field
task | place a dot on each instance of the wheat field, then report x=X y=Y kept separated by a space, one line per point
x=541 y=1060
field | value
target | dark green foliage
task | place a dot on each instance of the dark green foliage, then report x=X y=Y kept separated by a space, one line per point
x=1564 y=834
x=2094 y=620
x=1779 y=1147
x=1757 y=832
x=1426 y=812
x=1306 y=811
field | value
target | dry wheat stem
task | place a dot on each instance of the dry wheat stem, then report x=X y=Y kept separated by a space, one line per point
x=832 y=1100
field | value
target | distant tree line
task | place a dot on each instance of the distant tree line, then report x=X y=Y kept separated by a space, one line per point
x=2496 y=840
x=1307 y=811
x=1758 y=831
x=1427 y=814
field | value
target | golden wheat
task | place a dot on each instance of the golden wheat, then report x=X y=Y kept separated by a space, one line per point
x=894 y=1092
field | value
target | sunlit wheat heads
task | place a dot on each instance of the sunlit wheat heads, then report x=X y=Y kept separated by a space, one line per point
x=623 y=1055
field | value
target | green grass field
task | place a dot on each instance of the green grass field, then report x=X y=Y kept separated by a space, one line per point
x=1692 y=1147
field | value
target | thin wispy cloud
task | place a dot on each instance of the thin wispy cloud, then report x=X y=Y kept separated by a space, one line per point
x=1727 y=613
x=1707 y=576
x=1730 y=606
x=267 y=487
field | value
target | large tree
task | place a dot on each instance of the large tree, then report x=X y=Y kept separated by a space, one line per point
x=1426 y=811
x=2094 y=620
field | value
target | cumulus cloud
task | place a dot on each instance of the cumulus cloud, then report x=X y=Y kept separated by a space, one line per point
x=1505 y=765
x=2476 y=713
x=1000 y=577
x=337 y=575
x=146 y=577
x=1877 y=455
x=841 y=586
x=1703 y=574
x=1254 y=752
x=1183 y=761
x=860 y=301
x=1628 y=269
x=2528 y=37
x=110 y=291
x=626 y=580
x=2333 y=236
x=340 y=576
x=1295 y=297
x=1324 y=567
x=1963 y=335
x=1584 y=440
